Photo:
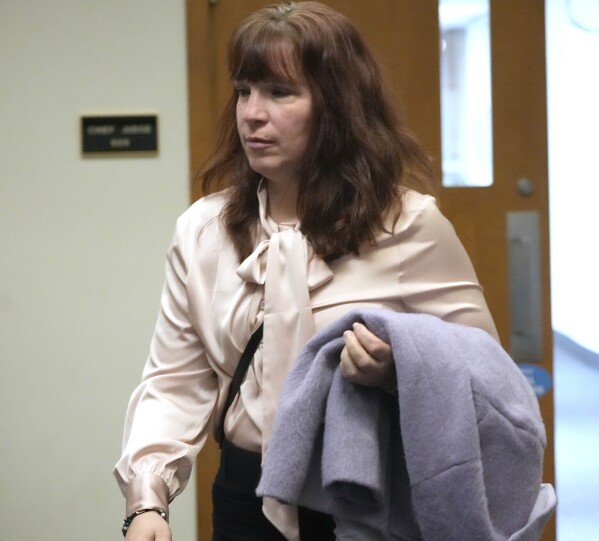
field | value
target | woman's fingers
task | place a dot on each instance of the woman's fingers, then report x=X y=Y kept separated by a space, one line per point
x=366 y=359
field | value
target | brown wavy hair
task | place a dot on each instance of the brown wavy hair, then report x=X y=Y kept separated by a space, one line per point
x=361 y=152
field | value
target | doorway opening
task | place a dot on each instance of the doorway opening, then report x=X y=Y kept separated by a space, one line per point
x=573 y=116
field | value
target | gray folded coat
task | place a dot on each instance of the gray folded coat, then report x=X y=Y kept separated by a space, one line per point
x=456 y=456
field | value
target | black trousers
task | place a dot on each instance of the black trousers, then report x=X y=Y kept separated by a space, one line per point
x=237 y=511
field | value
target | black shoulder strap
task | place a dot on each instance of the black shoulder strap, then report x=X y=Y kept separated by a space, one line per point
x=239 y=376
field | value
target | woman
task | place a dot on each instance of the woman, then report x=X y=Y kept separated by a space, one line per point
x=318 y=220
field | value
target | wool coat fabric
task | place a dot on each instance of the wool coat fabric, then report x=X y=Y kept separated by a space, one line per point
x=456 y=456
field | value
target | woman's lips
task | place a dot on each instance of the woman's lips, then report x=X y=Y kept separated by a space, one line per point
x=257 y=143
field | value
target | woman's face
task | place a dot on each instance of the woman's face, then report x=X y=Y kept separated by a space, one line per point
x=274 y=120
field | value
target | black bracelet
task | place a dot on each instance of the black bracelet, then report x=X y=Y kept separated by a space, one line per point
x=127 y=522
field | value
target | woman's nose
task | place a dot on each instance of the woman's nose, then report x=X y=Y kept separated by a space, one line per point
x=254 y=109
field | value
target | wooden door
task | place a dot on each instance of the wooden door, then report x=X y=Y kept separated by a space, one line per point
x=405 y=37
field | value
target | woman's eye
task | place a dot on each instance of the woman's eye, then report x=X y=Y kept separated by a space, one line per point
x=242 y=90
x=281 y=92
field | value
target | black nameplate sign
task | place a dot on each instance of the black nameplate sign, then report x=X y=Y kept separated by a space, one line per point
x=137 y=133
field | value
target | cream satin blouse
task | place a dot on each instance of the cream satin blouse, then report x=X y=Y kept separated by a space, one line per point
x=211 y=304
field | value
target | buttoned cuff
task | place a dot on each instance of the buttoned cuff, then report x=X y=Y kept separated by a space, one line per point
x=147 y=491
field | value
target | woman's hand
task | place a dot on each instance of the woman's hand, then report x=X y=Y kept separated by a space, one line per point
x=149 y=526
x=367 y=360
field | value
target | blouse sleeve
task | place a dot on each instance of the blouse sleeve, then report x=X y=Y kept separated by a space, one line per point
x=436 y=275
x=167 y=418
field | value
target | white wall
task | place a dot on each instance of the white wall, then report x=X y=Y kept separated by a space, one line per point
x=573 y=114
x=82 y=244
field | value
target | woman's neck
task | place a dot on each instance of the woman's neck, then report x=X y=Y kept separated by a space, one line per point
x=282 y=202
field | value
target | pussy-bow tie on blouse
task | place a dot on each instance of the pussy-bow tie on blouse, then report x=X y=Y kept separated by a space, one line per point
x=288 y=270
x=285 y=267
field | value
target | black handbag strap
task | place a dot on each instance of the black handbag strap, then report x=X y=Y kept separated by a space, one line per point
x=239 y=376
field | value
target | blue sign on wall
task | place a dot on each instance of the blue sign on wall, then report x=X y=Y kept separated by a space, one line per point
x=538 y=377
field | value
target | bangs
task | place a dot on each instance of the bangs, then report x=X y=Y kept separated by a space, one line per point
x=266 y=55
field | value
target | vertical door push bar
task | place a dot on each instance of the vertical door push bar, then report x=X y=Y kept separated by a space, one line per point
x=524 y=260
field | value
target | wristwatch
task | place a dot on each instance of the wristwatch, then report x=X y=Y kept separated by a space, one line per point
x=127 y=522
